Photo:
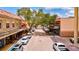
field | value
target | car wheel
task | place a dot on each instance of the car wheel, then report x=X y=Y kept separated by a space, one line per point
x=54 y=48
x=22 y=48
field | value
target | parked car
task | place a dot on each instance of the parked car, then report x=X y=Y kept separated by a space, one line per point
x=46 y=29
x=29 y=33
x=28 y=36
x=59 y=47
x=32 y=30
x=25 y=39
x=16 y=47
x=72 y=40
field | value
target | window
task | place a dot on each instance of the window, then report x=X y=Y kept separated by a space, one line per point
x=0 y=25
x=13 y=25
x=13 y=49
x=23 y=39
x=7 y=25
x=61 y=45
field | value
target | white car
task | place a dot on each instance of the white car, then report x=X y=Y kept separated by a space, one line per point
x=29 y=33
x=16 y=47
x=24 y=40
x=59 y=47
x=28 y=36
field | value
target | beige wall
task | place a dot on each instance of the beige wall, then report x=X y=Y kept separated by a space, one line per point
x=67 y=27
x=10 y=21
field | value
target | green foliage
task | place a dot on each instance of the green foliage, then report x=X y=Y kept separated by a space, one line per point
x=36 y=17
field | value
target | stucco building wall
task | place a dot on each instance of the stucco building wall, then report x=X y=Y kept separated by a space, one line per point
x=67 y=27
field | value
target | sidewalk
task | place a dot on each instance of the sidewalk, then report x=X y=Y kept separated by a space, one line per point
x=6 y=47
x=66 y=41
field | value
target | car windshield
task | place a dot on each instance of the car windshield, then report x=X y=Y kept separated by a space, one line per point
x=16 y=45
x=13 y=49
x=64 y=49
x=23 y=39
x=61 y=45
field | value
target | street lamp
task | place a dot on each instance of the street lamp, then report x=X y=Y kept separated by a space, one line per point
x=75 y=25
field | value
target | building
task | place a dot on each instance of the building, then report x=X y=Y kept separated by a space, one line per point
x=10 y=27
x=67 y=26
x=64 y=27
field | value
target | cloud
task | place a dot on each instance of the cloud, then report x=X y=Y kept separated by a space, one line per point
x=60 y=11
x=48 y=8
x=58 y=14
x=70 y=12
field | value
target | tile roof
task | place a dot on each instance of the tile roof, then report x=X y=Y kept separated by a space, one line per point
x=8 y=14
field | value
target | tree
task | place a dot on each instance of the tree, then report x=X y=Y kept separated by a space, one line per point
x=35 y=18
x=26 y=13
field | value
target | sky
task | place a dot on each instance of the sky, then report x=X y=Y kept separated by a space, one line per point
x=60 y=11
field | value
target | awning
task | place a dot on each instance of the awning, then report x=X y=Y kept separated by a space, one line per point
x=11 y=33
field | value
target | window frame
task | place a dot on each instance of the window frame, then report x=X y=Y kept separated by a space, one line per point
x=13 y=24
x=7 y=25
x=0 y=25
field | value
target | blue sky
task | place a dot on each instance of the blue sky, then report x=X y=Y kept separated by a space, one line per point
x=61 y=12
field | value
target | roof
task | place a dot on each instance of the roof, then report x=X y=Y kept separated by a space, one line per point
x=8 y=14
x=58 y=19
x=68 y=18
x=60 y=43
